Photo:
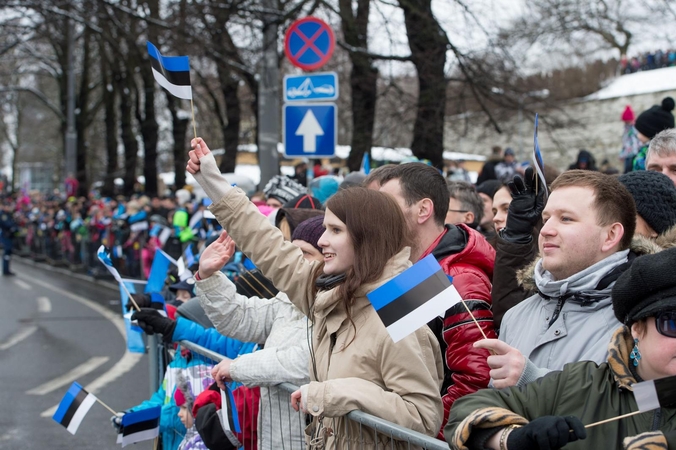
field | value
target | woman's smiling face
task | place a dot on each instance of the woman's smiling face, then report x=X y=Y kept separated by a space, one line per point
x=336 y=245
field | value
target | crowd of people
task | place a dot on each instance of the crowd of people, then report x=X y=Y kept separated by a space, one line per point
x=569 y=301
x=648 y=61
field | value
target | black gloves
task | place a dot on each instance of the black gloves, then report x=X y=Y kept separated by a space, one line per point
x=547 y=433
x=144 y=301
x=151 y=321
x=525 y=211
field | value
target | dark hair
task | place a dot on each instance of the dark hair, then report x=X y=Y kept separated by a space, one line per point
x=419 y=181
x=612 y=200
x=377 y=175
x=469 y=199
x=378 y=231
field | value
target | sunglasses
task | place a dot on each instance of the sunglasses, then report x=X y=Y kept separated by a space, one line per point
x=666 y=324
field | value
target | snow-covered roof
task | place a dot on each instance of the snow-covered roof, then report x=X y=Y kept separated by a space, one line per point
x=377 y=153
x=638 y=83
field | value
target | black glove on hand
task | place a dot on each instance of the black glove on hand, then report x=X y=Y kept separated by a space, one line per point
x=151 y=321
x=525 y=211
x=547 y=433
x=146 y=301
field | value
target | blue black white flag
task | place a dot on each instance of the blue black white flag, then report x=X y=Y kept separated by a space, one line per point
x=537 y=159
x=414 y=297
x=73 y=408
x=655 y=394
x=158 y=272
x=140 y=425
x=171 y=72
x=104 y=256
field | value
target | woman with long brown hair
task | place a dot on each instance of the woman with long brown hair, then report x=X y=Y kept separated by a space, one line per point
x=354 y=364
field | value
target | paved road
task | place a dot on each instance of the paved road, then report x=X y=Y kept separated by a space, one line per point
x=53 y=330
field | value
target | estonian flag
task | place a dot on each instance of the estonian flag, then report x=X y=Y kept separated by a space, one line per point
x=366 y=164
x=655 y=394
x=74 y=406
x=158 y=272
x=104 y=256
x=414 y=297
x=171 y=72
x=141 y=425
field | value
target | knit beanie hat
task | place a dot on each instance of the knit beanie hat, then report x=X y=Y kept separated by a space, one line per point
x=310 y=231
x=304 y=201
x=489 y=187
x=283 y=188
x=352 y=179
x=324 y=187
x=647 y=288
x=655 y=197
x=657 y=118
x=183 y=394
x=628 y=115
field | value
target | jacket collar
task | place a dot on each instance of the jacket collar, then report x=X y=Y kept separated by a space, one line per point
x=618 y=358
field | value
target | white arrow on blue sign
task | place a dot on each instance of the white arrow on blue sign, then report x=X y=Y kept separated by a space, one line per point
x=315 y=86
x=309 y=129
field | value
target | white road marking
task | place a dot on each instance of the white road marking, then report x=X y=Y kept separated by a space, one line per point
x=44 y=305
x=68 y=378
x=124 y=365
x=22 y=284
x=18 y=337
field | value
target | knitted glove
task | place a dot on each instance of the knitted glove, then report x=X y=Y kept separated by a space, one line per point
x=525 y=211
x=547 y=433
x=116 y=421
x=151 y=321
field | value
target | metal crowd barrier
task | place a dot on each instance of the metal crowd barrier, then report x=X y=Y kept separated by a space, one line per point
x=367 y=422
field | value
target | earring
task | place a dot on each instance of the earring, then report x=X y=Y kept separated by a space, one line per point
x=635 y=354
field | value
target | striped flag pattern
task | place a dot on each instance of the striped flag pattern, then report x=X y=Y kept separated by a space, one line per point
x=140 y=425
x=655 y=394
x=414 y=297
x=171 y=72
x=74 y=407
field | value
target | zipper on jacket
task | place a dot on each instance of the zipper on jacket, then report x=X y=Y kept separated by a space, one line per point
x=332 y=344
x=656 y=420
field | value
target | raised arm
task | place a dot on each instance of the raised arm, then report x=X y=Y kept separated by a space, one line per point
x=279 y=260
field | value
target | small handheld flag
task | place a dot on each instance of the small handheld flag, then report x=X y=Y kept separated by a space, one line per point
x=649 y=395
x=366 y=164
x=74 y=407
x=655 y=394
x=537 y=159
x=158 y=272
x=171 y=72
x=141 y=425
x=104 y=256
x=414 y=297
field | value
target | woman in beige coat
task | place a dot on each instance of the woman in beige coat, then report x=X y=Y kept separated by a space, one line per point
x=354 y=364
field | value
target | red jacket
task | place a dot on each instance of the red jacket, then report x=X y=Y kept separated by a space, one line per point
x=466 y=255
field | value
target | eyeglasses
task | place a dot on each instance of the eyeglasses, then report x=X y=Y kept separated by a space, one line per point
x=666 y=324
x=458 y=210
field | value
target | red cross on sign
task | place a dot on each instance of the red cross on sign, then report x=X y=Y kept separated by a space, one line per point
x=309 y=43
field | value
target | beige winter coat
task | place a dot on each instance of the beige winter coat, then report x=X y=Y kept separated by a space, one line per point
x=365 y=370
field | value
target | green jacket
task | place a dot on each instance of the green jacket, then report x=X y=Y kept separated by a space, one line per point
x=583 y=389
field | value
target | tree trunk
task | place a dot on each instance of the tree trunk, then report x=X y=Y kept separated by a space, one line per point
x=428 y=43
x=231 y=129
x=363 y=79
x=179 y=127
x=109 y=96
x=127 y=132
x=82 y=119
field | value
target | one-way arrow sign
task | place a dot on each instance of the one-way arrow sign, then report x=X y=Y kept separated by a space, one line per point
x=309 y=129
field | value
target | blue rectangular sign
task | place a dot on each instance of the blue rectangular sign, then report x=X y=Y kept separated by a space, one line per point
x=316 y=86
x=309 y=129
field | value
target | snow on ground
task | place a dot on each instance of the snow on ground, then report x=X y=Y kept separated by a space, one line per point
x=638 y=83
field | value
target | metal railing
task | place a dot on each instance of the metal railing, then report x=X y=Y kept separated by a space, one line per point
x=376 y=424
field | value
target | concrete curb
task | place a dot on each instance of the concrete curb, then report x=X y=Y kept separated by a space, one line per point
x=64 y=271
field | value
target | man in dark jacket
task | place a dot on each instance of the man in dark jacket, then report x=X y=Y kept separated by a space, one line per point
x=463 y=253
x=7 y=230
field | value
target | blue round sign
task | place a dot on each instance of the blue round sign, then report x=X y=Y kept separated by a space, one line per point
x=309 y=43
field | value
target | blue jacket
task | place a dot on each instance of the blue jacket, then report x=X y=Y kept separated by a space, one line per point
x=196 y=368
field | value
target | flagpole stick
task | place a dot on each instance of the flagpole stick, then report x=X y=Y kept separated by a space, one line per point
x=473 y=318
x=155 y=442
x=106 y=406
x=130 y=297
x=614 y=419
x=194 y=127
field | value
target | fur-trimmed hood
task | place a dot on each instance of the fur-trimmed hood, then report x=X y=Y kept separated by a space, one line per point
x=639 y=245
